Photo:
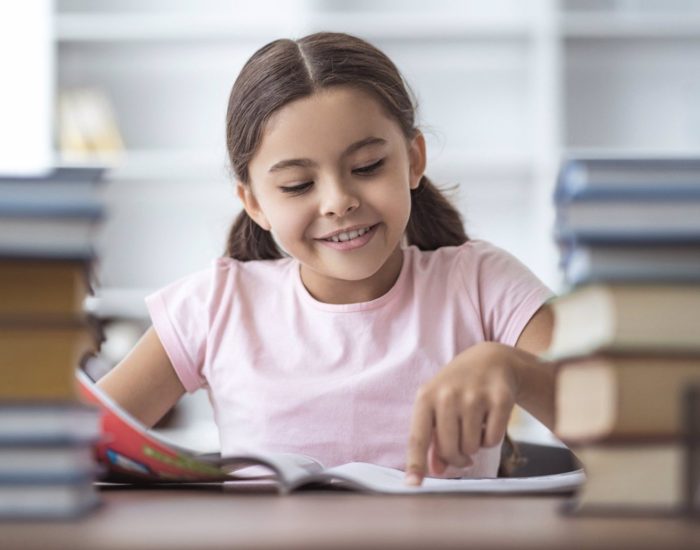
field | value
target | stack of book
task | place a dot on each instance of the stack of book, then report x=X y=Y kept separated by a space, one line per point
x=627 y=332
x=47 y=228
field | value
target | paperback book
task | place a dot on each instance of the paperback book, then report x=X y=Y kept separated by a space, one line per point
x=131 y=453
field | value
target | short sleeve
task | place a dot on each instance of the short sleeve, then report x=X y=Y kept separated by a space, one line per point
x=180 y=314
x=505 y=292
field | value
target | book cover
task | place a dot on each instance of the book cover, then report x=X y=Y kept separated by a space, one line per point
x=624 y=177
x=626 y=318
x=38 y=356
x=642 y=263
x=632 y=477
x=618 y=397
x=48 y=422
x=44 y=286
x=48 y=500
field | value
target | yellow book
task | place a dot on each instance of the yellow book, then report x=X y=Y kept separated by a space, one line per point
x=38 y=359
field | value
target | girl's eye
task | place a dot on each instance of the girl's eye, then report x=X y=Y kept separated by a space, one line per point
x=369 y=169
x=297 y=189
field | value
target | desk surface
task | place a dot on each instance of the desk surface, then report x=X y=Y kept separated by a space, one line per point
x=208 y=517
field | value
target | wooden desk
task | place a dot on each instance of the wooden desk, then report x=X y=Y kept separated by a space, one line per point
x=211 y=518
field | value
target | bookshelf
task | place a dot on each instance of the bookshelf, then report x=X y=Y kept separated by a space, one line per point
x=154 y=62
x=504 y=87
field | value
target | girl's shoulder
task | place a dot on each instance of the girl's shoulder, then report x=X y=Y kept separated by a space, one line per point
x=470 y=256
x=228 y=274
x=476 y=266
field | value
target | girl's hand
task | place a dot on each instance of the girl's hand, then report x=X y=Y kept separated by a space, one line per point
x=466 y=406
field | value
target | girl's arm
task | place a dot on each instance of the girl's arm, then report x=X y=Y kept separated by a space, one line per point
x=468 y=403
x=536 y=377
x=144 y=383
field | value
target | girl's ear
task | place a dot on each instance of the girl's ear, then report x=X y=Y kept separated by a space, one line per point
x=251 y=205
x=417 y=159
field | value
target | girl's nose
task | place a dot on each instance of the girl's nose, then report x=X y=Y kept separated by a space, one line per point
x=338 y=200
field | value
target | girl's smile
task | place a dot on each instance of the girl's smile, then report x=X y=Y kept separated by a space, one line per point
x=350 y=238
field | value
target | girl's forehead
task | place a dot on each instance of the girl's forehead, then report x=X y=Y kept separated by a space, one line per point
x=330 y=117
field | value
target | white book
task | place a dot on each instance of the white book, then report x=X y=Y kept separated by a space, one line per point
x=54 y=500
x=47 y=236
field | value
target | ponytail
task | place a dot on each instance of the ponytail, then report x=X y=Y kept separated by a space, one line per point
x=248 y=241
x=433 y=222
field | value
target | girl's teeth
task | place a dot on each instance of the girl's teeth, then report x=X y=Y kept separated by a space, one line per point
x=342 y=237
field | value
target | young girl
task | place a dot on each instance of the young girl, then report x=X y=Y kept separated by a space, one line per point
x=351 y=319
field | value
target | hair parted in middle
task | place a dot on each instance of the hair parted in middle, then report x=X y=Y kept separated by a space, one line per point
x=286 y=70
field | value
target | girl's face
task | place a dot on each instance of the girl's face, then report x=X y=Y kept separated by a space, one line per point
x=331 y=179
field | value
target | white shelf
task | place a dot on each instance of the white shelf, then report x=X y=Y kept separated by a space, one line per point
x=174 y=165
x=631 y=26
x=186 y=165
x=120 y=303
x=148 y=27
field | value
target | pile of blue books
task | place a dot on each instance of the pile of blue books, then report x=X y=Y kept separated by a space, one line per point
x=629 y=219
x=47 y=232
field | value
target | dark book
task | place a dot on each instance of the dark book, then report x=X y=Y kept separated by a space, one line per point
x=602 y=397
x=595 y=178
x=585 y=263
x=632 y=477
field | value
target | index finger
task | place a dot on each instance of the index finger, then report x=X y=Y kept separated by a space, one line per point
x=418 y=442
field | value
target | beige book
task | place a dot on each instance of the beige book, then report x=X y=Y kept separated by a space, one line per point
x=627 y=318
x=601 y=397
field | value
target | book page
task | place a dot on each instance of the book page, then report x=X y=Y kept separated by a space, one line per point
x=380 y=479
x=290 y=469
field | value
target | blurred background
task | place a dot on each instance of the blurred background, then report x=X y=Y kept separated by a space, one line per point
x=505 y=88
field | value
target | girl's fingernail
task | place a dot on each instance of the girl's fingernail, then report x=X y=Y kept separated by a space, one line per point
x=412 y=479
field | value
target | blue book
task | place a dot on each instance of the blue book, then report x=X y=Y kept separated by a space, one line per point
x=47 y=462
x=622 y=178
x=24 y=423
x=667 y=220
x=48 y=500
x=62 y=185
x=640 y=263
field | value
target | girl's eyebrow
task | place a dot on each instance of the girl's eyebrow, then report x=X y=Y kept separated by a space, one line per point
x=306 y=163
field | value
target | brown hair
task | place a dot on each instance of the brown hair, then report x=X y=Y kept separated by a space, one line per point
x=285 y=70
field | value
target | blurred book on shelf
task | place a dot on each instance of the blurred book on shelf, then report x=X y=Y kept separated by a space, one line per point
x=87 y=126
x=46 y=272
x=626 y=335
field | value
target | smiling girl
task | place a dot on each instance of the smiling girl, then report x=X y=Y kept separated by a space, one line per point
x=351 y=318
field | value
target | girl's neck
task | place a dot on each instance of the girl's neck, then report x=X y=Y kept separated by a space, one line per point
x=337 y=291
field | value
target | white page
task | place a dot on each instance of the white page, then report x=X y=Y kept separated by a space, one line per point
x=363 y=476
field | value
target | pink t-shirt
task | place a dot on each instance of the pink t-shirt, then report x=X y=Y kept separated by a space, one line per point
x=288 y=373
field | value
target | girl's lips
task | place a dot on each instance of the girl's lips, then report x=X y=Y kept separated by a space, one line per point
x=352 y=244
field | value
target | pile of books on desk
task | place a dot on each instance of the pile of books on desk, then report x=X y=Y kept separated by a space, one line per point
x=627 y=333
x=47 y=227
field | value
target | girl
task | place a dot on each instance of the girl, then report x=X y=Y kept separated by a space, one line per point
x=351 y=319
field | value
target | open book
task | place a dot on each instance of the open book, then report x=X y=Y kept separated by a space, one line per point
x=130 y=452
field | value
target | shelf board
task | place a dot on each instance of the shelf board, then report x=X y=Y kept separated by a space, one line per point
x=630 y=26
x=186 y=165
x=495 y=163
x=119 y=303
x=125 y=27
